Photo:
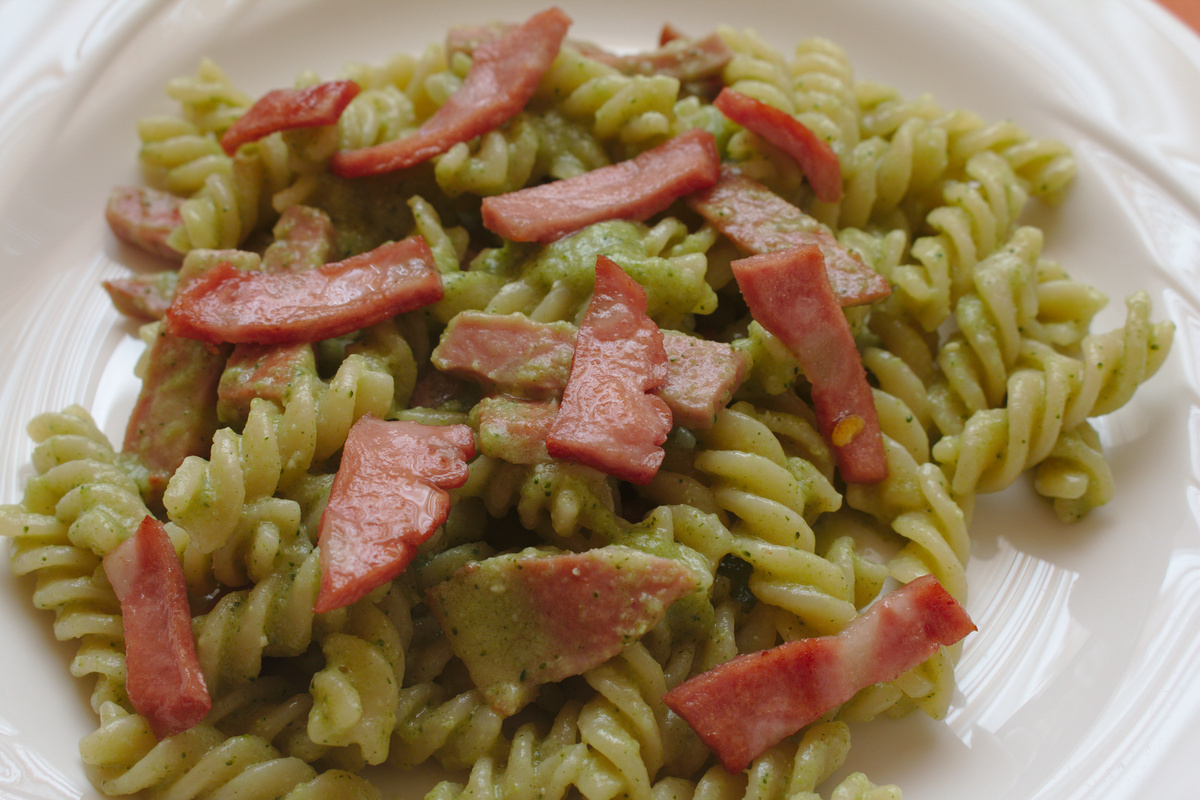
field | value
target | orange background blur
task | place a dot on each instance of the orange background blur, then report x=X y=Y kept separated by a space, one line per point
x=1187 y=10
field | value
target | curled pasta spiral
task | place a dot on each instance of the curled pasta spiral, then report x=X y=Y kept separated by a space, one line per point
x=80 y=505
x=562 y=501
x=629 y=113
x=667 y=260
x=454 y=729
x=993 y=315
x=123 y=757
x=823 y=92
x=1045 y=166
x=524 y=151
x=356 y=693
x=208 y=99
x=975 y=219
x=766 y=499
x=375 y=115
x=1051 y=395
x=757 y=69
x=274 y=617
x=232 y=203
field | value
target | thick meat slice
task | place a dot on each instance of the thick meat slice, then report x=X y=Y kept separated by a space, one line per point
x=265 y=371
x=145 y=218
x=174 y=416
x=227 y=304
x=143 y=297
x=503 y=76
x=163 y=676
x=679 y=57
x=789 y=294
x=524 y=619
x=759 y=221
x=814 y=155
x=288 y=109
x=635 y=189
x=702 y=376
x=508 y=352
x=743 y=707
x=388 y=496
x=513 y=354
x=608 y=418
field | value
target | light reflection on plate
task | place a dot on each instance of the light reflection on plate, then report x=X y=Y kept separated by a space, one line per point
x=1084 y=679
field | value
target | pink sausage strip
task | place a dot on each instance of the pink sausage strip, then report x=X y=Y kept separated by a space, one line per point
x=634 y=189
x=503 y=76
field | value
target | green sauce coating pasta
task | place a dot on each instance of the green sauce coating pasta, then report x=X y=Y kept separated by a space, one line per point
x=982 y=362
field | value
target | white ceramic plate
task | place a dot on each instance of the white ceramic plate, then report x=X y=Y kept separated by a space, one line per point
x=1084 y=678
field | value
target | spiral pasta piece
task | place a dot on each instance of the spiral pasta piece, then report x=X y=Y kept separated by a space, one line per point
x=667 y=260
x=629 y=113
x=356 y=693
x=564 y=502
x=81 y=504
x=524 y=151
x=456 y=730
x=274 y=617
x=123 y=757
x=1052 y=397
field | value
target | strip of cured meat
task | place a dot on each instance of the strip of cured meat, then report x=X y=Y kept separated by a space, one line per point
x=265 y=371
x=743 y=707
x=814 y=155
x=789 y=294
x=388 y=496
x=513 y=354
x=175 y=413
x=163 y=676
x=634 y=189
x=289 y=109
x=679 y=57
x=523 y=619
x=608 y=418
x=227 y=304
x=145 y=218
x=504 y=74
x=757 y=220
x=143 y=297
x=509 y=352
x=304 y=239
x=702 y=376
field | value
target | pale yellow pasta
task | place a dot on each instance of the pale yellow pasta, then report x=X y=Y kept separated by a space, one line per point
x=982 y=364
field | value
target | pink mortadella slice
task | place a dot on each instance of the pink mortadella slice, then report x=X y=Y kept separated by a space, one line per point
x=609 y=418
x=813 y=154
x=388 y=496
x=163 y=676
x=745 y=706
x=289 y=109
x=227 y=304
x=789 y=294
x=634 y=189
x=504 y=75
x=757 y=220
x=145 y=218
